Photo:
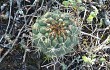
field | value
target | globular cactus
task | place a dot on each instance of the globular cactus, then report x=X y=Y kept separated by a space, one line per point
x=55 y=33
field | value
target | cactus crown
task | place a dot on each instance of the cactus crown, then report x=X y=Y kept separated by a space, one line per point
x=55 y=33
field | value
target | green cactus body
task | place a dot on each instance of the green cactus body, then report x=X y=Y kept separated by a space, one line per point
x=55 y=34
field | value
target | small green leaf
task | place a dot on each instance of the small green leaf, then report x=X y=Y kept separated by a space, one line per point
x=102 y=59
x=65 y=3
x=90 y=18
x=108 y=40
x=88 y=60
x=93 y=14
x=85 y=59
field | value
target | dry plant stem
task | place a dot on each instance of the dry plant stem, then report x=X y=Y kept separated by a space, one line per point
x=90 y=35
x=102 y=45
x=17 y=35
x=49 y=65
x=34 y=3
x=6 y=31
x=53 y=63
x=108 y=27
x=24 y=56
x=8 y=21
x=35 y=11
x=104 y=29
x=12 y=44
x=14 y=40
x=84 y=15
x=9 y=16
x=26 y=50
x=58 y=3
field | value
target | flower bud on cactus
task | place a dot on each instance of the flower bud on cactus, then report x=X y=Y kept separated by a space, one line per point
x=55 y=33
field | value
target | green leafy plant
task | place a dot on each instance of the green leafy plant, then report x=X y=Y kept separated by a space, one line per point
x=102 y=59
x=88 y=59
x=93 y=14
x=55 y=33
x=91 y=59
x=74 y=4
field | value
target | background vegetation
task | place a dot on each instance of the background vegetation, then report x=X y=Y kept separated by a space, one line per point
x=19 y=52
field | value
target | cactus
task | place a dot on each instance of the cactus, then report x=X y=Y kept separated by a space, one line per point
x=55 y=33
